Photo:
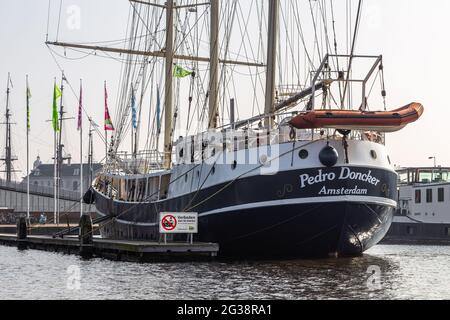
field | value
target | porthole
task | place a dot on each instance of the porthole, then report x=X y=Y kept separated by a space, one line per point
x=303 y=154
x=263 y=159
x=186 y=177
x=213 y=170
x=373 y=154
x=234 y=165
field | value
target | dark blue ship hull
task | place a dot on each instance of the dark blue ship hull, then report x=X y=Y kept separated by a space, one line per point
x=271 y=216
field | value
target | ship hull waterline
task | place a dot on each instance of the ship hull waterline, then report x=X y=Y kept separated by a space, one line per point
x=290 y=222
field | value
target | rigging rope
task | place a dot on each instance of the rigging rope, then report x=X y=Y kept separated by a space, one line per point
x=355 y=35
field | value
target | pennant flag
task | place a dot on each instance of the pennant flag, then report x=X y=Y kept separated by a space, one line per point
x=55 y=116
x=158 y=111
x=80 y=109
x=133 y=109
x=28 y=106
x=179 y=72
x=108 y=122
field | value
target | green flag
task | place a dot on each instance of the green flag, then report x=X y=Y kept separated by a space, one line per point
x=28 y=106
x=179 y=72
x=56 y=95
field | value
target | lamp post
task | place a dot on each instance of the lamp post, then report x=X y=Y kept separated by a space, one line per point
x=433 y=158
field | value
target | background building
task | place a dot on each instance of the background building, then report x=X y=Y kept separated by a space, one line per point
x=42 y=175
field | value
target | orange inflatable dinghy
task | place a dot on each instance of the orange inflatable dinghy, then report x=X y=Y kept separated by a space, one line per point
x=384 y=121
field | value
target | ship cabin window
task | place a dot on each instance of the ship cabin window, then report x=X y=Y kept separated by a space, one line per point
x=433 y=175
x=441 y=176
x=447 y=231
x=441 y=195
x=418 y=196
x=410 y=231
x=403 y=177
x=425 y=176
x=429 y=195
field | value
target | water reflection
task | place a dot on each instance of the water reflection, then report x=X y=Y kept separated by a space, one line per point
x=404 y=273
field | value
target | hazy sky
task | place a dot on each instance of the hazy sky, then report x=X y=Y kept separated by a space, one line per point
x=412 y=35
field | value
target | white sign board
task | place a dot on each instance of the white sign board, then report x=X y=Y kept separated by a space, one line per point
x=170 y=222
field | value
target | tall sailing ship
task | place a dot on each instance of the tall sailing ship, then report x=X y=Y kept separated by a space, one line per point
x=306 y=173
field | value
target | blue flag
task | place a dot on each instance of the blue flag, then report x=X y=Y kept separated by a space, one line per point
x=158 y=111
x=133 y=110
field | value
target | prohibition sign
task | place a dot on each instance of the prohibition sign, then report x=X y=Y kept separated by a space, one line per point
x=169 y=223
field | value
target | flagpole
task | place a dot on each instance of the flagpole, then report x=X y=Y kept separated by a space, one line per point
x=106 y=131
x=55 y=173
x=28 y=152
x=80 y=126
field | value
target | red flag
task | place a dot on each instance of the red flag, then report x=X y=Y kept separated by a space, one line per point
x=108 y=122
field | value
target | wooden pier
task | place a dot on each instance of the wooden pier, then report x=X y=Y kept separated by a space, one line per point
x=42 y=230
x=117 y=250
x=130 y=251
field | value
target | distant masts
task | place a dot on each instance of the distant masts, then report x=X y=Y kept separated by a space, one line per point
x=59 y=148
x=8 y=159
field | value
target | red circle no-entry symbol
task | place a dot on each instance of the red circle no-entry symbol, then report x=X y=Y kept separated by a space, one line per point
x=169 y=223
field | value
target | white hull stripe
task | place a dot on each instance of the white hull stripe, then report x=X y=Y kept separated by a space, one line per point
x=318 y=200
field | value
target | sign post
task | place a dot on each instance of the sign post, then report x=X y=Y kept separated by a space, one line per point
x=178 y=223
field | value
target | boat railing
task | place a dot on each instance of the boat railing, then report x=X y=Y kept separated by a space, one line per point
x=195 y=149
x=142 y=162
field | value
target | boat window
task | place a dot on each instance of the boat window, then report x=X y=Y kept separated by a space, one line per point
x=434 y=176
x=429 y=195
x=418 y=196
x=425 y=176
x=303 y=154
x=373 y=154
x=441 y=176
x=403 y=177
x=441 y=195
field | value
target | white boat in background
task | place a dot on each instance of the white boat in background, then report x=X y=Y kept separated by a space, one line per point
x=423 y=215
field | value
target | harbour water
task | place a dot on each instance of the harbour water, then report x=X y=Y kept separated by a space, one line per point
x=385 y=272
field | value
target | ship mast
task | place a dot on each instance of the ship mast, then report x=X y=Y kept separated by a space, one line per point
x=272 y=45
x=59 y=152
x=214 y=65
x=8 y=148
x=169 y=86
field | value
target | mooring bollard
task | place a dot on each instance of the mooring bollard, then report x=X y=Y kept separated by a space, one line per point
x=86 y=237
x=22 y=232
